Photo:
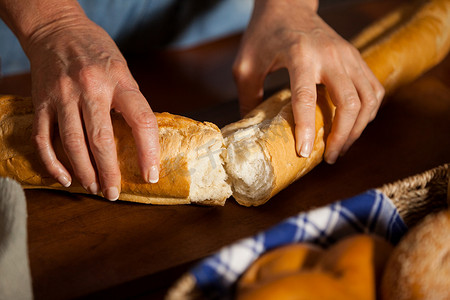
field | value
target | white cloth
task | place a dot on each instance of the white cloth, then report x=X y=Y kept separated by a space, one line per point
x=15 y=278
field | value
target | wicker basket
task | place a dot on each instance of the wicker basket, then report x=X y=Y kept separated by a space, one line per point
x=421 y=194
x=414 y=198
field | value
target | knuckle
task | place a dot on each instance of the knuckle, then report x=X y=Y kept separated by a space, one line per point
x=300 y=53
x=73 y=141
x=243 y=71
x=371 y=102
x=91 y=78
x=41 y=141
x=88 y=72
x=239 y=72
x=304 y=96
x=118 y=64
x=295 y=48
x=353 y=50
x=358 y=73
x=102 y=140
x=64 y=82
x=127 y=82
x=145 y=120
x=381 y=92
x=352 y=103
x=331 y=49
x=52 y=167
x=296 y=39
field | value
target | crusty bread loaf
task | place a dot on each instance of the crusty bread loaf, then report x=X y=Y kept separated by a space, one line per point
x=261 y=158
x=419 y=267
x=261 y=148
x=191 y=164
x=347 y=270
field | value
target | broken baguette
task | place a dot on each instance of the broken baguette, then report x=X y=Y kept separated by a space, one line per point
x=191 y=164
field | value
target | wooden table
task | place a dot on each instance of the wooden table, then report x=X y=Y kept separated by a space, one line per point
x=83 y=246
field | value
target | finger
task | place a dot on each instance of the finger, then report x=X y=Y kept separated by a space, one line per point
x=347 y=102
x=140 y=117
x=42 y=136
x=249 y=80
x=376 y=86
x=369 y=106
x=304 y=95
x=74 y=144
x=97 y=120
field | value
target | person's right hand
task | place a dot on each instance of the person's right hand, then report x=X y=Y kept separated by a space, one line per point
x=290 y=34
x=78 y=77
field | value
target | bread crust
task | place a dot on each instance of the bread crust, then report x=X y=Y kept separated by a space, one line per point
x=179 y=137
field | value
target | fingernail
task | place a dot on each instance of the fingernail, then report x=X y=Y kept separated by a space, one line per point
x=64 y=180
x=154 y=174
x=306 y=149
x=332 y=157
x=111 y=193
x=93 y=188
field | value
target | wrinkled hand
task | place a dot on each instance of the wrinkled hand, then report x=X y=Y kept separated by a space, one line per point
x=78 y=77
x=290 y=34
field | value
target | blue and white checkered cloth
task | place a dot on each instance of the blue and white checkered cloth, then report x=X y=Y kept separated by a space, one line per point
x=370 y=212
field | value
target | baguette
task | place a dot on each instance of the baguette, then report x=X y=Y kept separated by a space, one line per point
x=261 y=158
x=191 y=164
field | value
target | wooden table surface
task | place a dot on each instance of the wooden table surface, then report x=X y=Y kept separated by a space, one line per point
x=83 y=246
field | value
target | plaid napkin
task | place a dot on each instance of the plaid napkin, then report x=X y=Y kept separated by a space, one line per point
x=370 y=212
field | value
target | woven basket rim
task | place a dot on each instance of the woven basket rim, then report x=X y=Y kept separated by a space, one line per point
x=421 y=180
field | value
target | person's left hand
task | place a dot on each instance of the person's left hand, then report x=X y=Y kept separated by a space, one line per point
x=78 y=77
x=290 y=34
